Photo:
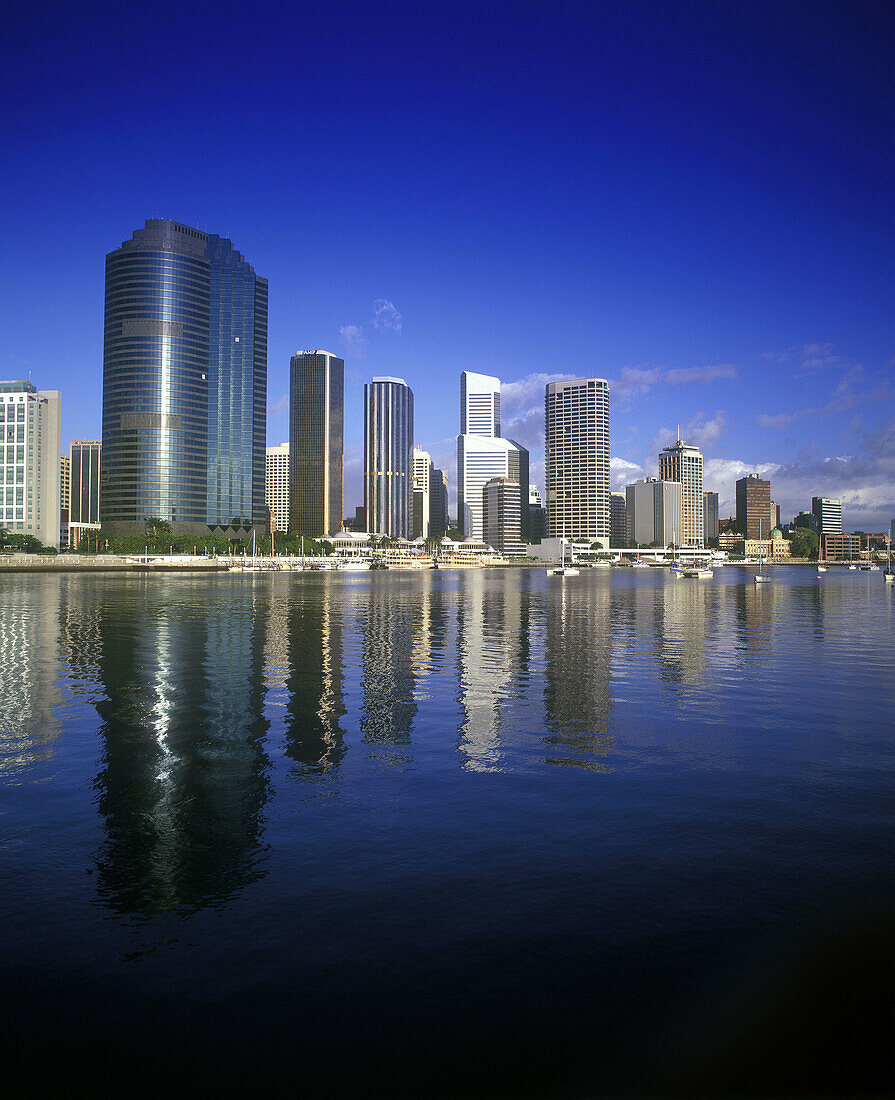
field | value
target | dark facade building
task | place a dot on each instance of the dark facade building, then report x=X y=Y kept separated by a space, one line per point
x=753 y=497
x=502 y=515
x=184 y=384
x=388 y=460
x=316 y=418
x=710 y=517
x=618 y=517
x=84 y=481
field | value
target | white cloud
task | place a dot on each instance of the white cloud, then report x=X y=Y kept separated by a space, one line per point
x=353 y=340
x=779 y=420
x=622 y=473
x=280 y=406
x=386 y=316
x=698 y=431
x=689 y=375
x=807 y=357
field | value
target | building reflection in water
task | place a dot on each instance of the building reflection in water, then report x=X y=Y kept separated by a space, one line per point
x=682 y=630
x=577 y=663
x=387 y=618
x=184 y=776
x=493 y=650
x=314 y=677
x=30 y=697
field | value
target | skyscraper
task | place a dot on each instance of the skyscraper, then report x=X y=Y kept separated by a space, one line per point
x=709 y=516
x=501 y=515
x=388 y=463
x=438 y=502
x=653 y=512
x=753 y=499
x=184 y=384
x=537 y=515
x=30 y=477
x=577 y=459
x=682 y=462
x=316 y=416
x=85 y=468
x=618 y=516
x=482 y=454
x=828 y=513
x=276 y=486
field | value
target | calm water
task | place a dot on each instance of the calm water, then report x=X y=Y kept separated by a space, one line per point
x=455 y=833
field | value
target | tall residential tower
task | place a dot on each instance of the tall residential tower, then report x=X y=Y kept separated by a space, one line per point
x=184 y=384
x=576 y=420
x=30 y=483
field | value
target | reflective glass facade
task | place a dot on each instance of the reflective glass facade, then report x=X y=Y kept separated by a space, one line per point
x=316 y=414
x=388 y=461
x=184 y=383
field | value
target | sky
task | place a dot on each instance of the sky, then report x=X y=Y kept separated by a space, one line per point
x=691 y=200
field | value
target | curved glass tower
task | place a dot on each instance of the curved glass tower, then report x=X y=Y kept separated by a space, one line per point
x=388 y=462
x=184 y=384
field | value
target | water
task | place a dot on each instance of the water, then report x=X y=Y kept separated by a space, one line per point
x=456 y=833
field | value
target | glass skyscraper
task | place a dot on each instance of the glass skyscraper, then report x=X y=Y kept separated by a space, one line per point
x=184 y=384
x=388 y=462
x=577 y=459
x=316 y=417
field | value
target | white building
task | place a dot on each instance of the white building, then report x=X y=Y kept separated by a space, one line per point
x=653 y=512
x=276 y=486
x=422 y=484
x=576 y=424
x=30 y=482
x=481 y=452
x=683 y=463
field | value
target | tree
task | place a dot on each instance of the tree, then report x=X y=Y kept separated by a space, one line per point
x=156 y=526
x=803 y=543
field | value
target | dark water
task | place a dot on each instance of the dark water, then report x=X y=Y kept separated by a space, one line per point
x=458 y=833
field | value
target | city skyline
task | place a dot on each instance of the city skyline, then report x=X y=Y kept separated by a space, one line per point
x=712 y=238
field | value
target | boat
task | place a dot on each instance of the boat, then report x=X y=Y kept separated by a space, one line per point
x=352 y=565
x=760 y=577
x=698 y=571
x=821 y=567
x=563 y=570
x=888 y=575
x=378 y=563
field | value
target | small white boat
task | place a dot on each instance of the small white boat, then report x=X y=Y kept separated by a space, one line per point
x=352 y=565
x=823 y=568
x=759 y=577
x=698 y=572
x=563 y=570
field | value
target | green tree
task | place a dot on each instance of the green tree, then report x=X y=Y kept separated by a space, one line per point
x=156 y=526
x=803 y=543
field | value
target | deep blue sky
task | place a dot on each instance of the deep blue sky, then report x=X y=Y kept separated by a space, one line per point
x=691 y=200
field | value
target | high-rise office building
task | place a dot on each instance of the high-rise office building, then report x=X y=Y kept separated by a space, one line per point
x=422 y=498
x=482 y=454
x=30 y=480
x=388 y=462
x=682 y=462
x=438 y=503
x=577 y=459
x=501 y=515
x=184 y=384
x=709 y=516
x=537 y=515
x=618 y=520
x=316 y=418
x=654 y=512
x=85 y=464
x=828 y=514
x=753 y=499
x=276 y=486
x=64 y=498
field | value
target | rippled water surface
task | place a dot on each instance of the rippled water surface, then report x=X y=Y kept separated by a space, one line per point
x=450 y=833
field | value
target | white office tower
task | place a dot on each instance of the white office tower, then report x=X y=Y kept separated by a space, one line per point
x=653 y=512
x=683 y=463
x=422 y=499
x=30 y=486
x=481 y=452
x=828 y=513
x=479 y=404
x=576 y=421
x=502 y=515
x=276 y=486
